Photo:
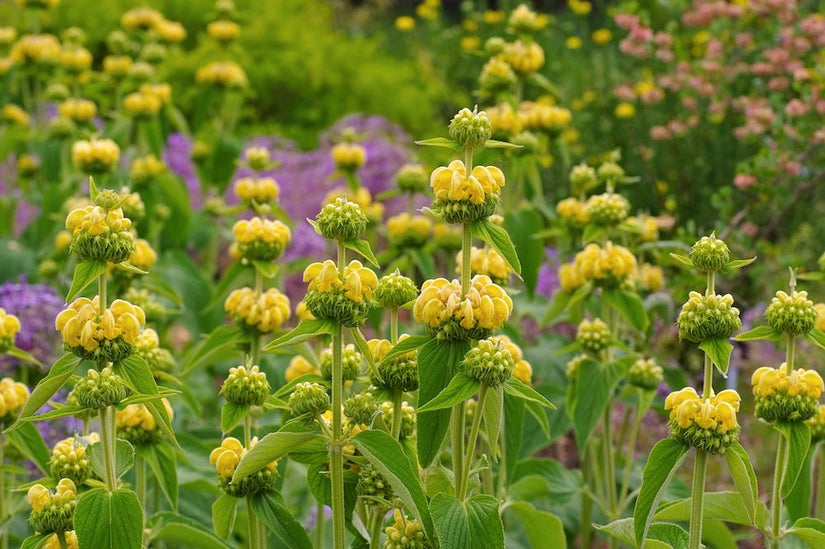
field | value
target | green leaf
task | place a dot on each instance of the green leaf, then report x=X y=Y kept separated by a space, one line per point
x=138 y=377
x=660 y=536
x=305 y=330
x=364 y=349
x=273 y=511
x=105 y=520
x=486 y=528
x=760 y=332
x=451 y=522
x=27 y=440
x=499 y=239
x=231 y=415
x=93 y=189
x=270 y=448
x=493 y=417
x=388 y=457
x=20 y=354
x=719 y=351
x=744 y=477
x=544 y=530
x=815 y=276
x=35 y=542
x=817 y=337
x=437 y=362
x=629 y=305
x=129 y=268
x=362 y=247
x=58 y=375
x=220 y=340
x=124 y=458
x=682 y=261
x=724 y=506
x=798 y=435
x=86 y=272
x=736 y=264
x=809 y=530
x=495 y=144
x=592 y=233
x=798 y=502
x=442 y=142
x=664 y=459
x=558 y=304
x=407 y=345
x=162 y=461
x=460 y=389
x=267 y=269
x=592 y=392
x=523 y=225
x=224 y=510
x=186 y=533
x=519 y=389
x=538 y=412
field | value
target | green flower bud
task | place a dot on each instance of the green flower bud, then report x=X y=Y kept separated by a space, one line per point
x=394 y=291
x=341 y=220
x=108 y=350
x=373 y=487
x=645 y=374
x=608 y=209
x=399 y=373
x=112 y=247
x=446 y=237
x=779 y=396
x=610 y=171
x=489 y=362
x=151 y=305
x=148 y=348
x=572 y=369
x=405 y=533
x=494 y=45
x=360 y=408
x=582 y=177
x=780 y=406
x=408 y=418
x=69 y=459
x=153 y=52
x=412 y=178
x=707 y=317
x=817 y=425
x=594 y=336
x=257 y=158
x=57 y=92
x=465 y=211
x=308 y=398
x=244 y=386
x=470 y=128
x=334 y=305
x=61 y=127
x=351 y=361
x=53 y=512
x=709 y=254
x=791 y=314
x=100 y=389
x=709 y=440
x=256 y=483
x=48 y=268
x=496 y=76
x=528 y=141
x=108 y=199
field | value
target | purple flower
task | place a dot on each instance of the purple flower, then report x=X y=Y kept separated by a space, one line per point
x=36 y=305
x=10 y=190
x=55 y=430
x=548 y=281
x=306 y=243
x=178 y=156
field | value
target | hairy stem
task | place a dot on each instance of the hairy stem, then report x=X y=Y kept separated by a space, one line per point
x=466 y=255
x=819 y=508
x=471 y=443
x=631 y=447
x=700 y=468
x=375 y=528
x=107 y=440
x=336 y=457
x=396 y=414
x=61 y=539
x=587 y=500
x=319 y=525
x=394 y=326
x=457 y=435
x=776 y=500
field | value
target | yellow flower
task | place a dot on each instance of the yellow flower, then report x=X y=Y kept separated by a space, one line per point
x=573 y=211
x=144 y=257
x=76 y=59
x=820 y=316
x=81 y=325
x=524 y=58
x=492 y=17
x=373 y=210
x=96 y=220
x=349 y=156
x=302 y=313
x=299 y=366
x=71 y=541
x=405 y=23
x=767 y=380
x=625 y=110
x=543 y=116
x=13 y=395
x=15 y=115
x=611 y=264
x=170 y=31
x=602 y=36
x=580 y=7
x=38 y=497
x=486 y=261
x=141 y=104
x=117 y=65
x=504 y=119
x=258 y=190
x=9 y=325
x=485 y=305
x=651 y=277
x=260 y=229
x=78 y=109
x=470 y=43
x=265 y=312
x=222 y=73
x=357 y=283
x=36 y=48
x=570 y=278
x=409 y=230
x=223 y=30
x=717 y=413
x=452 y=183
x=96 y=155
x=573 y=43
x=226 y=457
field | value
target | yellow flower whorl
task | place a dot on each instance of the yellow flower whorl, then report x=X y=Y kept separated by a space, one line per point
x=262 y=313
x=783 y=397
x=9 y=328
x=106 y=338
x=708 y=424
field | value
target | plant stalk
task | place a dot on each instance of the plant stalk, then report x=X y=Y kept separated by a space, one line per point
x=140 y=481
x=631 y=447
x=396 y=414
x=587 y=500
x=319 y=525
x=107 y=440
x=375 y=529
x=4 y=538
x=776 y=500
x=336 y=457
x=471 y=444
x=61 y=539
x=700 y=469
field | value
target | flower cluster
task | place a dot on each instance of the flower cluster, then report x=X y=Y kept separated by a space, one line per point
x=148 y=348
x=609 y=266
x=136 y=424
x=573 y=212
x=257 y=190
x=490 y=362
x=225 y=459
x=9 y=328
x=95 y=156
x=594 y=336
x=69 y=459
x=522 y=371
x=394 y=291
x=709 y=254
x=261 y=313
x=791 y=314
x=608 y=209
x=348 y=156
x=343 y=297
x=341 y=220
x=98 y=233
x=246 y=386
x=53 y=511
x=298 y=367
x=260 y=239
x=13 y=396
x=399 y=373
x=310 y=399
x=462 y=197
x=452 y=316
x=109 y=337
x=645 y=374
x=99 y=389
x=222 y=74
x=708 y=317
x=409 y=231
x=351 y=361
x=405 y=533
x=487 y=261
x=783 y=396
x=708 y=424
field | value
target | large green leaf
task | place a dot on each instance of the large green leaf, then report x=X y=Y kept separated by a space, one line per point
x=270 y=448
x=809 y=530
x=592 y=392
x=544 y=530
x=232 y=414
x=798 y=436
x=137 y=375
x=220 y=340
x=519 y=389
x=461 y=525
x=817 y=337
x=660 y=536
x=664 y=459
x=493 y=418
x=273 y=511
x=86 y=272
x=499 y=239
x=744 y=477
x=407 y=344
x=798 y=502
x=388 y=457
x=305 y=330
x=27 y=440
x=124 y=458
x=461 y=388
x=223 y=515
x=523 y=225
x=162 y=461
x=719 y=351
x=185 y=532
x=629 y=305
x=724 y=506
x=58 y=375
x=105 y=520
x=362 y=247
x=437 y=363
x=760 y=332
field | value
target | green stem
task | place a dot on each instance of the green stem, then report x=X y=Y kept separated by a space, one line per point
x=631 y=447
x=394 y=326
x=707 y=389
x=471 y=443
x=790 y=353
x=587 y=500
x=61 y=539
x=457 y=435
x=251 y=525
x=375 y=529
x=819 y=509
x=4 y=539
x=396 y=414
x=140 y=481
x=336 y=456
x=700 y=468
x=247 y=430
x=609 y=465
x=319 y=526
x=776 y=500
x=101 y=292
x=466 y=255
x=107 y=439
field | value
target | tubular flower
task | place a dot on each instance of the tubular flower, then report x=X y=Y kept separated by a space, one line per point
x=460 y=197
x=487 y=261
x=522 y=371
x=144 y=257
x=246 y=386
x=351 y=361
x=349 y=156
x=225 y=459
x=525 y=58
x=9 y=328
x=409 y=231
x=791 y=314
x=708 y=317
x=573 y=212
x=222 y=74
x=608 y=209
x=707 y=424
x=650 y=277
x=260 y=313
x=253 y=190
x=146 y=168
x=299 y=367
x=594 y=335
x=782 y=397
x=13 y=396
x=141 y=18
x=69 y=460
x=78 y=109
x=15 y=115
x=398 y=373
x=98 y=233
x=260 y=239
x=645 y=374
x=52 y=511
x=136 y=424
x=71 y=541
x=117 y=66
x=504 y=120
x=485 y=307
x=817 y=425
x=405 y=533
x=102 y=338
x=342 y=297
x=301 y=311
x=570 y=279
x=99 y=389
x=608 y=267
x=95 y=156
x=646 y=227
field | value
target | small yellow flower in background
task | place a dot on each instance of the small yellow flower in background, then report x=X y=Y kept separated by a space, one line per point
x=405 y=230
x=7 y=35
x=625 y=110
x=580 y=7
x=405 y=23
x=610 y=265
x=524 y=58
x=504 y=119
x=428 y=9
x=13 y=394
x=117 y=65
x=223 y=30
x=302 y=313
x=573 y=43
x=36 y=49
x=226 y=74
x=543 y=116
x=349 y=156
x=299 y=366
x=96 y=155
x=170 y=32
x=260 y=239
x=486 y=261
x=601 y=36
x=145 y=168
x=470 y=43
x=573 y=211
x=15 y=115
x=141 y=18
x=144 y=257
x=78 y=109
x=141 y=104
x=259 y=190
x=651 y=277
x=162 y=91
x=374 y=210
x=493 y=17
x=469 y=25
x=451 y=182
x=820 y=316
x=263 y=313
x=522 y=371
x=71 y=541
x=76 y=59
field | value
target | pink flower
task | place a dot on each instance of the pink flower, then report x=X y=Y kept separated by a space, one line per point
x=796 y=107
x=659 y=133
x=742 y=181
